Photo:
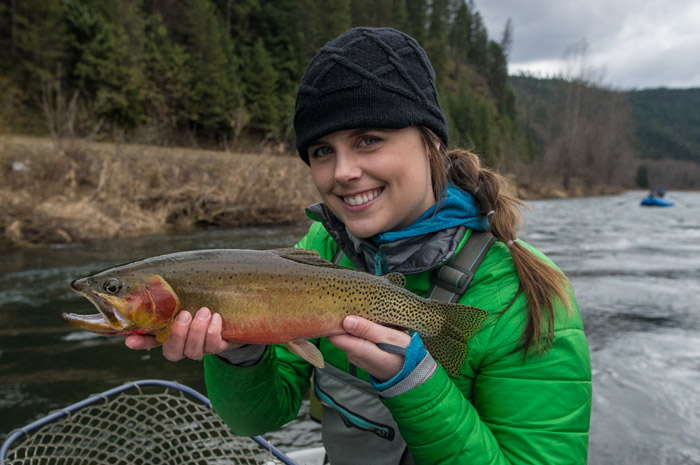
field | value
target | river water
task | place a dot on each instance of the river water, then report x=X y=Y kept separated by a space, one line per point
x=635 y=271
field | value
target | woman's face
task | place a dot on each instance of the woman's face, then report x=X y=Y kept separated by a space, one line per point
x=374 y=180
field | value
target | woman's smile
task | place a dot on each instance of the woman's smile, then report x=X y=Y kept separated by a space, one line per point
x=361 y=199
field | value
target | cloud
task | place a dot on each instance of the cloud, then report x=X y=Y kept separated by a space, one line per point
x=645 y=43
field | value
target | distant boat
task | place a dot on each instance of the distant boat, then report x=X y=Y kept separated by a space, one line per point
x=652 y=201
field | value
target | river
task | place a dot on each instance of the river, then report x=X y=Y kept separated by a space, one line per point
x=635 y=271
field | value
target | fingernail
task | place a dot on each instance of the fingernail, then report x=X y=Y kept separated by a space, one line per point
x=203 y=313
x=350 y=323
x=184 y=318
x=215 y=320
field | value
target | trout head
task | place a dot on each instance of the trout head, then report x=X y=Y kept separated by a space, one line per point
x=133 y=304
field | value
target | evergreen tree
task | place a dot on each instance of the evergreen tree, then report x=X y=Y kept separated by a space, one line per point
x=459 y=108
x=35 y=43
x=375 y=13
x=282 y=40
x=478 y=46
x=399 y=19
x=417 y=19
x=105 y=67
x=166 y=89
x=436 y=46
x=260 y=91
x=336 y=20
x=460 y=34
x=497 y=72
x=213 y=93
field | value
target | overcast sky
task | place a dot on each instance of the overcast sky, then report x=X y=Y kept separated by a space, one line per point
x=631 y=43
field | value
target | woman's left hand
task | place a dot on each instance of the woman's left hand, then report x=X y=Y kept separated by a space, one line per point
x=360 y=345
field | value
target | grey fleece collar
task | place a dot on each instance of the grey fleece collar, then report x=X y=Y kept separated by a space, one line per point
x=406 y=256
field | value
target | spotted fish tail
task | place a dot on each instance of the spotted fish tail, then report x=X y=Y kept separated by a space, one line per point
x=449 y=345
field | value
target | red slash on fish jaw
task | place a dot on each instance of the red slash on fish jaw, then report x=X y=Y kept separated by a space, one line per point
x=164 y=301
x=152 y=305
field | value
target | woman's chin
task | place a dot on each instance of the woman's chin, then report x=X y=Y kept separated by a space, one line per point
x=363 y=231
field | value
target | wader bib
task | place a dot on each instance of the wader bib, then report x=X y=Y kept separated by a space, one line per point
x=357 y=427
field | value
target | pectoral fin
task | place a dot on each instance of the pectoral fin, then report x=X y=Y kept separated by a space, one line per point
x=164 y=333
x=307 y=351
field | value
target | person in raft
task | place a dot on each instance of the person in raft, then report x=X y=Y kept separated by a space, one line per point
x=395 y=199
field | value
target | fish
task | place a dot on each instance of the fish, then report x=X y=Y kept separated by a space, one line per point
x=277 y=296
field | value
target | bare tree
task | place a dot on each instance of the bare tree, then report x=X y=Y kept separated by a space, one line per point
x=590 y=134
x=507 y=38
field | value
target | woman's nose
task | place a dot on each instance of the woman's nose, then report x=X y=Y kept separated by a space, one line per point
x=347 y=168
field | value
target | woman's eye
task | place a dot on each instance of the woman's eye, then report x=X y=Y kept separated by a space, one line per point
x=370 y=140
x=321 y=151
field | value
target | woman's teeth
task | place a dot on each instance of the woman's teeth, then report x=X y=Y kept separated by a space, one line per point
x=361 y=199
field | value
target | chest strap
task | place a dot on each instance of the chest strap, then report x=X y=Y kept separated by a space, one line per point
x=451 y=280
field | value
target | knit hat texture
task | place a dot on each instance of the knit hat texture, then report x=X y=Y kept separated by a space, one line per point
x=367 y=78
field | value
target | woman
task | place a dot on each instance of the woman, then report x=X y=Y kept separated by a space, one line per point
x=369 y=125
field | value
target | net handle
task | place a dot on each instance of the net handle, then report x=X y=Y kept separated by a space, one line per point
x=104 y=396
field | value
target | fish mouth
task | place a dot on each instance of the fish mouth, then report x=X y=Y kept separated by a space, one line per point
x=108 y=320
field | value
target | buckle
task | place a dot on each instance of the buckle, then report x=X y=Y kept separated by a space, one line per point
x=452 y=278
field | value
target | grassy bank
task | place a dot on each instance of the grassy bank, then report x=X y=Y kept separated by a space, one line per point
x=65 y=190
x=57 y=191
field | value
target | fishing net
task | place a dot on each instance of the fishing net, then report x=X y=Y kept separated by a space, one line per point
x=154 y=422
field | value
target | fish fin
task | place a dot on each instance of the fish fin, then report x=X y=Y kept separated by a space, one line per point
x=397 y=279
x=307 y=351
x=449 y=345
x=305 y=256
x=164 y=333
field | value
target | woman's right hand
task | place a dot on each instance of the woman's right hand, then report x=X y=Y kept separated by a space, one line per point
x=189 y=337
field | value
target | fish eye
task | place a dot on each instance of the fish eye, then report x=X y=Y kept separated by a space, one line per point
x=112 y=286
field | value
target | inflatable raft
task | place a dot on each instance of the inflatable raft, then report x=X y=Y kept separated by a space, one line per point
x=656 y=202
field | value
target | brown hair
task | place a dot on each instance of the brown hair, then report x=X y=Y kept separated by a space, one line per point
x=542 y=284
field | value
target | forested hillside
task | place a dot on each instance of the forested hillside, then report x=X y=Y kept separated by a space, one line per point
x=583 y=131
x=218 y=72
x=667 y=123
x=578 y=132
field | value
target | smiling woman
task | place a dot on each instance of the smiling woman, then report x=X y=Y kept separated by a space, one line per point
x=396 y=201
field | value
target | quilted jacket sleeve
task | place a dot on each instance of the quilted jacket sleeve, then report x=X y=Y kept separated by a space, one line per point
x=255 y=400
x=518 y=412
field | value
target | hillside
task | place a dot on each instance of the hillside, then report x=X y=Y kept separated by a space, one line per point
x=667 y=123
x=217 y=74
x=652 y=137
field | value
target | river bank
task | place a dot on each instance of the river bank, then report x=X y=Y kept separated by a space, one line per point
x=60 y=191
x=69 y=190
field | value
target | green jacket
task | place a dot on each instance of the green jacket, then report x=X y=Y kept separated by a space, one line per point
x=502 y=409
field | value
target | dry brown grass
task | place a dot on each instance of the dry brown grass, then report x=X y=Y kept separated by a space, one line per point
x=59 y=190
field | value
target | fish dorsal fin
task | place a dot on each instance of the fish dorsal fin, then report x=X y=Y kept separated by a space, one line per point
x=305 y=256
x=397 y=279
x=307 y=351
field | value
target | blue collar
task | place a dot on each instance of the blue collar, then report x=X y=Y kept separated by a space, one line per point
x=456 y=208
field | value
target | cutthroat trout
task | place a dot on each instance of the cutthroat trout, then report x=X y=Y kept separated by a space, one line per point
x=284 y=296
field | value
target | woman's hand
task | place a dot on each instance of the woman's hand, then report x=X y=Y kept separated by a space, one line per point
x=189 y=337
x=360 y=345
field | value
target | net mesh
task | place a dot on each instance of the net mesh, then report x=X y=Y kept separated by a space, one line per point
x=145 y=425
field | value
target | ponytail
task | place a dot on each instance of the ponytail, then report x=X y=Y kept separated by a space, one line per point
x=543 y=285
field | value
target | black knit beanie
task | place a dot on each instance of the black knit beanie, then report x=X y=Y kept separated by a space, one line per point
x=367 y=78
